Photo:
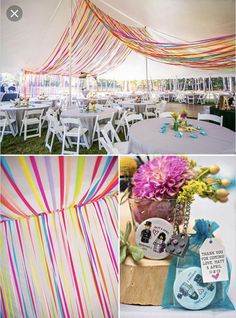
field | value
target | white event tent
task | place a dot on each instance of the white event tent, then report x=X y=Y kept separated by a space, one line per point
x=28 y=43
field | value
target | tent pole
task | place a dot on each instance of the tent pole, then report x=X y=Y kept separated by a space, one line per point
x=231 y=84
x=147 y=76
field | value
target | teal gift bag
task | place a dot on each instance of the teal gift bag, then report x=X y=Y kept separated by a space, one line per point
x=184 y=286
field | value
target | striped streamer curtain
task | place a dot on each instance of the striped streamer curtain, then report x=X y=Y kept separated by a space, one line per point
x=58 y=237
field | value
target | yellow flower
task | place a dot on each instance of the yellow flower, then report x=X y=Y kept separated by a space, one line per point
x=128 y=166
x=175 y=115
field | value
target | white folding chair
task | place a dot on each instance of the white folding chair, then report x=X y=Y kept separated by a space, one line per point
x=48 y=112
x=7 y=122
x=73 y=129
x=165 y=115
x=215 y=118
x=201 y=99
x=112 y=139
x=166 y=97
x=100 y=122
x=32 y=119
x=120 y=123
x=190 y=99
x=130 y=120
x=54 y=128
x=109 y=148
x=182 y=99
x=161 y=107
x=151 y=111
x=3 y=124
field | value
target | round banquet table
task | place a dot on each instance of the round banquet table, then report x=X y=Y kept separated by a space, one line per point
x=88 y=118
x=219 y=139
x=17 y=112
x=138 y=107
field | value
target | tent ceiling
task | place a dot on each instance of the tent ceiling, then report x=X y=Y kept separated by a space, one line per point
x=188 y=20
x=29 y=42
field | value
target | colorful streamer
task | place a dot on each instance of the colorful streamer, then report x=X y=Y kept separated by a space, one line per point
x=101 y=43
x=214 y=53
x=64 y=179
x=93 y=50
x=63 y=262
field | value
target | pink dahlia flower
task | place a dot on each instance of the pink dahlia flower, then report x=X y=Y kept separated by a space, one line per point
x=161 y=178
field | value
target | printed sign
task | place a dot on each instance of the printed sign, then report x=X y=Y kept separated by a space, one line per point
x=191 y=292
x=213 y=261
x=152 y=236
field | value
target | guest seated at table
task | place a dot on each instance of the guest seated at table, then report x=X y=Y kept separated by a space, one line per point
x=12 y=88
x=3 y=88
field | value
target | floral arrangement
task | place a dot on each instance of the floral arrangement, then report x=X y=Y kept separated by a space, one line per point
x=42 y=96
x=180 y=118
x=184 y=114
x=22 y=101
x=138 y=99
x=91 y=105
x=128 y=166
x=177 y=177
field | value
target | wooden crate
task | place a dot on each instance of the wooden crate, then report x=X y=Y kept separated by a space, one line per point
x=141 y=283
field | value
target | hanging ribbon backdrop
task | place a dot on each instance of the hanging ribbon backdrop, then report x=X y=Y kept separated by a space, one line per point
x=100 y=43
x=58 y=237
x=93 y=49
x=215 y=53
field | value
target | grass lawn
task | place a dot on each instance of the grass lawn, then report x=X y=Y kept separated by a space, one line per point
x=36 y=145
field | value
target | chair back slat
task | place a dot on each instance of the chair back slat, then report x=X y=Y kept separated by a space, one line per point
x=211 y=117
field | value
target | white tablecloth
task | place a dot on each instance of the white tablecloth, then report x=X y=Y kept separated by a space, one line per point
x=128 y=311
x=18 y=112
x=145 y=138
x=139 y=108
x=87 y=118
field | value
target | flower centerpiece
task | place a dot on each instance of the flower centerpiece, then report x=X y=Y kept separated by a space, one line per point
x=21 y=101
x=183 y=117
x=91 y=105
x=161 y=183
x=138 y=99
x=180 y=122
x=42 y=96
x=175 y=116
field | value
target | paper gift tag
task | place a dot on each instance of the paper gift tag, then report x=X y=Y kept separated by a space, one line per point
x=213 y=261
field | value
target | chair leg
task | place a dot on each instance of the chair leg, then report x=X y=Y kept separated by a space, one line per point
x=53 y=135
x=77 y=145
x=25 y=131
x=2 y=133
x=21 y=129
x=47 y=137
x=12 y=130
x=94 y=132
x=40 y=129
x=86 y=141
x=99 y=144
x=63 y=144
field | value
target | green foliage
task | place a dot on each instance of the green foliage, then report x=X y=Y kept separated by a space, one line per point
x=36 y=145
x=127 y=249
